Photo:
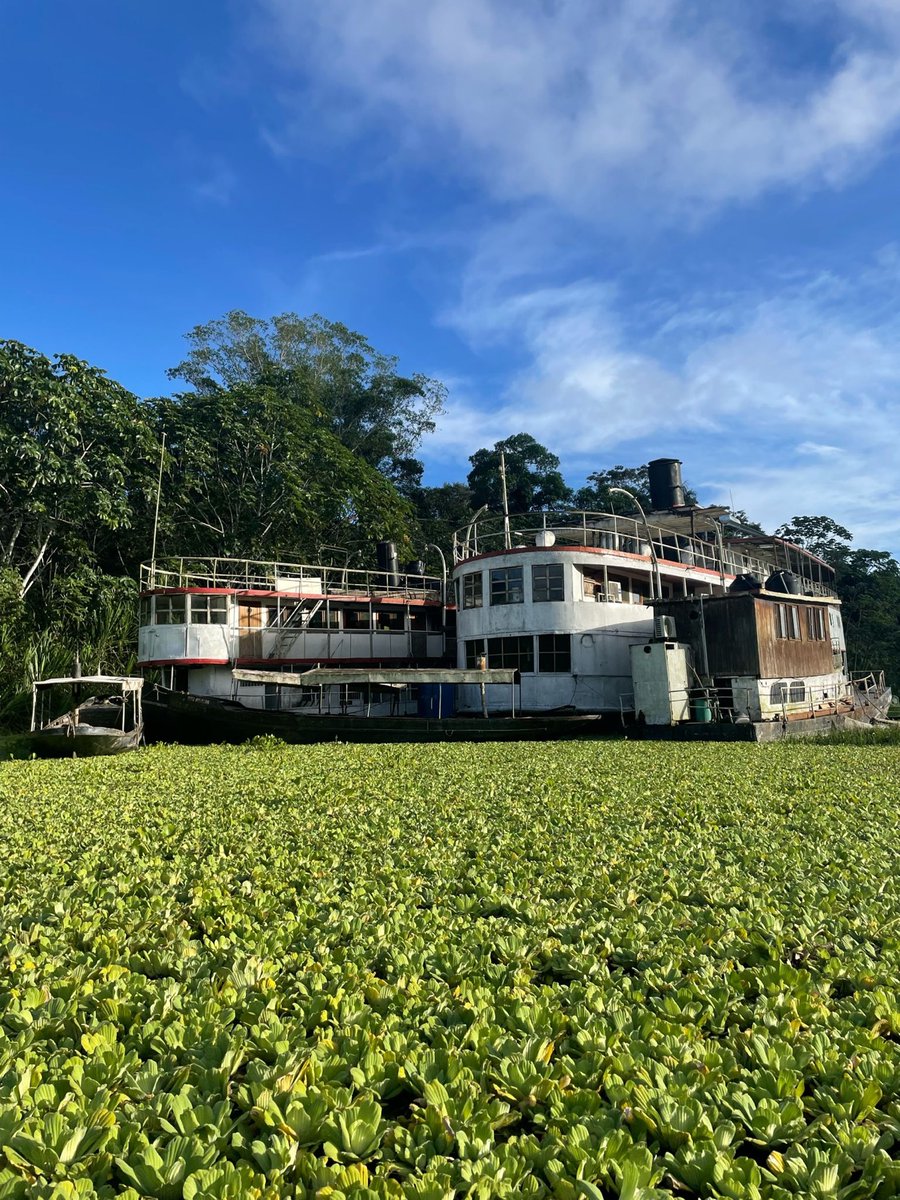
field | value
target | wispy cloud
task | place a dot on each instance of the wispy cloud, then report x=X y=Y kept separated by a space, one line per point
x=790 y=401
x=574 y=117
x=585 y=103
x=214 y=180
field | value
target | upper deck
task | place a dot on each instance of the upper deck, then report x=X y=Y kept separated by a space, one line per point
x=257 y=577
x=693 y=538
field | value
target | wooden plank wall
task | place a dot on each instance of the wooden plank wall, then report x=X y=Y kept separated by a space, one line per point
x=783 y=657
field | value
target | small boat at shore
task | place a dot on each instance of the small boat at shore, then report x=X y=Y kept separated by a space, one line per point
x=102 y=715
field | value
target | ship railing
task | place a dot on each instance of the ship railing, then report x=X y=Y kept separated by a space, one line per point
x=610 y=531
x=868 y=683
x=730 y=704
x=250 y=575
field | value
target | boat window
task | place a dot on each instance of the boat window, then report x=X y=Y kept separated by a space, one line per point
x=778 y=693
x=555 y=653
x=209 y=610
x=640 y=590
x=472 y=589
x=144 y=611
x=815 y=624
x=619 y=588
x=547 y=582
x=474 y=651
x=514 y=652
x=170 y=610
x=324 y=618
x=507 y=585
x=787 y=622
x=592 y=583
x=356 y=618
x=797 y=691
x=387 y=621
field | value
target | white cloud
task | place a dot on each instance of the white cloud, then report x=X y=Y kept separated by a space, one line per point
x=587 y=104
x=792 y=407
x=579 y=115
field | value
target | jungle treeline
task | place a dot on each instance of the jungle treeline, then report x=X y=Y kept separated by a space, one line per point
x=280 y=437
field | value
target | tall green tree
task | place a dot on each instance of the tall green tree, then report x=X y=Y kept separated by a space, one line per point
x=250 y=473
x=76 y=452
x=440 y=511
x=325 y=368
x=533 y=478
x=820 y=535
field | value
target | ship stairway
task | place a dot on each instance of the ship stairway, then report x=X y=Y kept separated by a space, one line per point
x=294 y=621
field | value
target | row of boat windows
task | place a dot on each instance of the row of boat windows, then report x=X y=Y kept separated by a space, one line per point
x=788 y=625
x=554 y=653
x=193 y=609
x=506 y=585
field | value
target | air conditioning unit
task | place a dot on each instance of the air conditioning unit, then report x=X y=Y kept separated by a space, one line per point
x=664 y=628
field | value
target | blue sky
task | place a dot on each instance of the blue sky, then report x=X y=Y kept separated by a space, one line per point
x=660 y=228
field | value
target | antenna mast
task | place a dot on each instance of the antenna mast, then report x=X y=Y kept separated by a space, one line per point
x=162 y=455
x=506 y=538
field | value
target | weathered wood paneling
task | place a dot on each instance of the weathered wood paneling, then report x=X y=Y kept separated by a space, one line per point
x=782 y=658
x=730 y=625
x=742 y=636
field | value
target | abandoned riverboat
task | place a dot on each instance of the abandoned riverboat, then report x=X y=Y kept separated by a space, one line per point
x=679 y=616
x=106 y=720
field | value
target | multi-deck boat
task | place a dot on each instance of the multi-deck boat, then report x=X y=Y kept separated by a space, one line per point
x=680 y=615
x=577 y=601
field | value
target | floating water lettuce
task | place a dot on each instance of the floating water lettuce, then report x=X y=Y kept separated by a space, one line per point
x=603 y=970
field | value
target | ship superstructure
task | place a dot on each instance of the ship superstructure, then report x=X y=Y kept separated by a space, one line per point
x=200 y=619
x=564 y=597
x=673 y=617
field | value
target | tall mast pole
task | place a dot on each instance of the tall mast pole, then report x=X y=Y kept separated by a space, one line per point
x=162 y=455
x=506 y=538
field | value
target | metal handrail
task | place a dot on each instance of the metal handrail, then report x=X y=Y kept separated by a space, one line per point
x=244 y=574
x=815 y=698
x=609 y=531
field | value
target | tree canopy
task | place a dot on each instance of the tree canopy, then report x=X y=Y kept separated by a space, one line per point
x=819 y=535
x=596 y=495
x=533 y=478
x=248 y=472
x=324 y=368
x=76 y=456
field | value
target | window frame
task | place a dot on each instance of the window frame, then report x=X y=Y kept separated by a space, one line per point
x=815 y=624
x=553 y=581
x=204 y=604
x=171 y=602
x=559 y=654
x=787 y=623
x=475 y=649
x=504 y=589
x=473 y=589
x=518 y=657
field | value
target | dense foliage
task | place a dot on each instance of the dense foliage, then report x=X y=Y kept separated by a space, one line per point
x=286 y=443
x=325 y=369
x=296 y=434
x=581 y=970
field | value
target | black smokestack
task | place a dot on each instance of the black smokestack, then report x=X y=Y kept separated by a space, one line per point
x=666 y=488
